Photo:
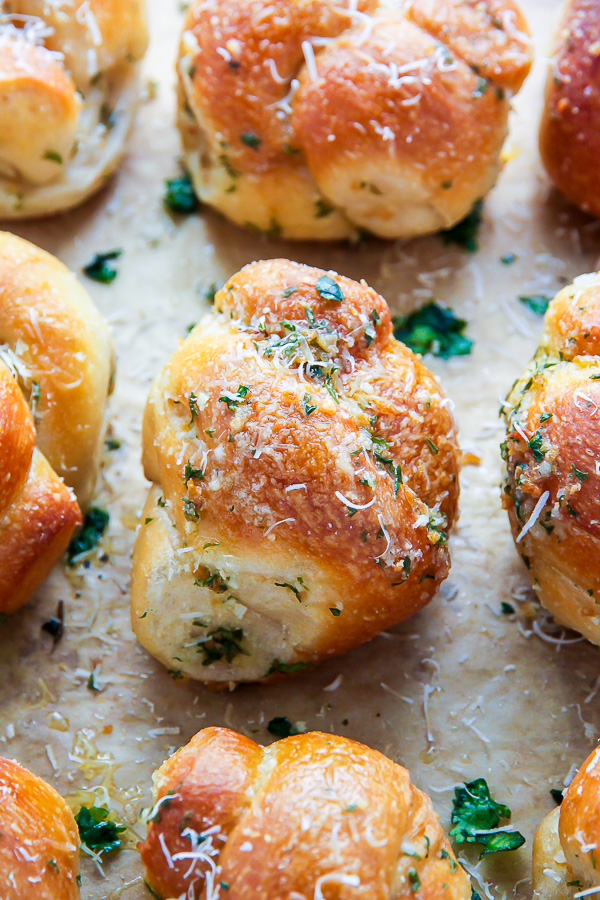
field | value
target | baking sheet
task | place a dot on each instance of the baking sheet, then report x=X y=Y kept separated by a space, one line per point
x=458 y=692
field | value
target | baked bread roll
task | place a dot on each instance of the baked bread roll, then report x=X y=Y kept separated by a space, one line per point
x=56 y=367
x=552 y=487
x=305 y=476
x=314 y=120
x=570 y=127
x=313 y=815
x=565 y=849
x=68 y=91
x=39 y=847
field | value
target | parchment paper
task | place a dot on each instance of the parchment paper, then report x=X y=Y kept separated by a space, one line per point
x=458 y=692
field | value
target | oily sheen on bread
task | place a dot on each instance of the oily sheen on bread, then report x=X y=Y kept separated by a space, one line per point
x=570 y=128
x=314 y=120
x=56 y=365
x=68 y=92
x=565 y=846
x=39 y=847
x=552 y=486
x=313 y=815
x=305 y=476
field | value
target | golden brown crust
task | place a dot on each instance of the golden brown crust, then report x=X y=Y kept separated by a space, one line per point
x=570 y=128
x=55 y=360
x=566 y=846
x=319 y=455
x=34 y=533
x=310 y=120
x=49 y=322
x=39 y=847
x=551 y=876
x=366 y=831
x=68 y=87
x=491 y=38
x=552 y=439
x=579 y=823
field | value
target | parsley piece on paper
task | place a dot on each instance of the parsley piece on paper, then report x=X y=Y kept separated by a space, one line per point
x=433 y=329
x=476 y=816
x=556 y=795
x=537 y=303
x=465 y=233
x=100 y=268
x=281 y=727
x=94 y=526
x=329 y=289
x=97 y=832
x=180 y=196
x=288 y=668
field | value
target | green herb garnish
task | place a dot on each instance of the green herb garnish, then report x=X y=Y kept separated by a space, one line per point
x=537 y=303
x=288 y=668
x=307 y=405
x=192 y=474
x=476 y=816
x=180 y=196
x=233 y=401
x=250 y=139
x=465 y=233
x=433 y=329
x=328 y=289
x=94 y=526
x=99 y=269
x=323 y=208
x=97 y=832
x=281 y=727
x=222 y=643
x=53 y=156
x=581 y=476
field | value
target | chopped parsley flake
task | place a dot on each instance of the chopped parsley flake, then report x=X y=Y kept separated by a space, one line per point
x=433 y=329
x=193 y=405
x=288 y=668
x=99 y=269
x=323 y=208
x=290 y=587
x=476 y=816
x=190 y=510
x=414 y=880
x=234 y=400
x=307 y=405
x=250 y=139
x=222 y=643
x=192 y=474
x=537 y=303
x=97 y=832
x=53 y=156
x=465 y=233
x=535 y=445
x=94 y=526
x=556 y=795
x=581 y=476
x=281 y=727
x=328 y=289
x=180 y=196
